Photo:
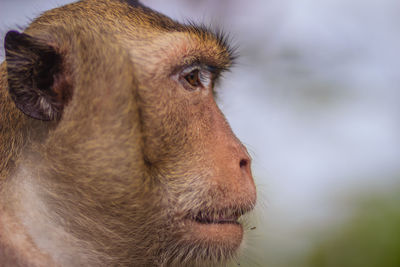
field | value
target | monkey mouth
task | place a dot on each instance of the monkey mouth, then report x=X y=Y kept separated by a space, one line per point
x=221 y=216
x=218 y=217
x=215 y=228
x=218 y=230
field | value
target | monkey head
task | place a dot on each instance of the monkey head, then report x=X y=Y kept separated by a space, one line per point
x=122 y=146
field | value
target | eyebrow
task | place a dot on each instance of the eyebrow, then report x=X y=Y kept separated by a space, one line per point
x=218 y=36
x=226 y=52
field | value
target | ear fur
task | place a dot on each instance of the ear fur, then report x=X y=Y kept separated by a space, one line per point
x=32 y=69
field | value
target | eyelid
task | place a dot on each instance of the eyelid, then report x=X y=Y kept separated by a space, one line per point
x=189 y=69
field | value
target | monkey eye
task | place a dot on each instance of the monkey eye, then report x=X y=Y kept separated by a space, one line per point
x=195 y=77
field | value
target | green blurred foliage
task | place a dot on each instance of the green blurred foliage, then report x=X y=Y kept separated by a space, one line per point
x=370 y=238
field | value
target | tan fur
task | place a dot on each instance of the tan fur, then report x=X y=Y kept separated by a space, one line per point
x=113 y=180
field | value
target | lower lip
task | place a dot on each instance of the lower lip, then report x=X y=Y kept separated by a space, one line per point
x=227 y=235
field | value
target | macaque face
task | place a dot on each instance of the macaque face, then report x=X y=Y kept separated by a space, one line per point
x=137 y=160
x=204 y=169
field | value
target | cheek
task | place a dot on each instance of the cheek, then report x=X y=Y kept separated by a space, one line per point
x=167 y=114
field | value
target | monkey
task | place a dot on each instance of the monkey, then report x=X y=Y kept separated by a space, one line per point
x=113 y=151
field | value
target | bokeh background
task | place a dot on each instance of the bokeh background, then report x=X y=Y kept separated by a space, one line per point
x=315 y=96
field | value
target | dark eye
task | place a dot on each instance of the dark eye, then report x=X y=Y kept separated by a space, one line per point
x=193 y=78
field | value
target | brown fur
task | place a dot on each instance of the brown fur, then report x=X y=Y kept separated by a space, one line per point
x=111 y=179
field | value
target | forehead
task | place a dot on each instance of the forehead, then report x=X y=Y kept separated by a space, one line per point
x=144 y=33
x=152 y=34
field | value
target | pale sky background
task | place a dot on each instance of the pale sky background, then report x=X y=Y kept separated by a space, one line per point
x=315 y=97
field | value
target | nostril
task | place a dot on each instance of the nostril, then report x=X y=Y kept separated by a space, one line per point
x=243 y=163
x=245 y=169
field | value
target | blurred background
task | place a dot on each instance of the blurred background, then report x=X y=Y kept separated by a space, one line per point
x=315 y=96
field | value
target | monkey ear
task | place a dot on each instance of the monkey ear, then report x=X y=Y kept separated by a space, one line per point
x=33 y=67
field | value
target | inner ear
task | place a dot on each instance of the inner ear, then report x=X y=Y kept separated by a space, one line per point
x=36 y=79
